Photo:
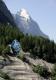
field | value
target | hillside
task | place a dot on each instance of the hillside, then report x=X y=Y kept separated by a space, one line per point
x=41 y=50
x=26 y=53
x=5 y=14
x=18 y=69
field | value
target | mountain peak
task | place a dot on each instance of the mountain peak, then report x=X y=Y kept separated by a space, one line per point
x=27 y=25
x=23 y=13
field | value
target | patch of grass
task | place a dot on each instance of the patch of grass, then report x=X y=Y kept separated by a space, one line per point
x=21 y=56
x=53 y=76
x=43 y=71
x=5 y=76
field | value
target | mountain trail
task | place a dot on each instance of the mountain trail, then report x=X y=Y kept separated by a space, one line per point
x=19 y=70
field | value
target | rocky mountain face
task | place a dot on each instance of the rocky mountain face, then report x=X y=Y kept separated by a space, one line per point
x=5 y=15
x=27 y=25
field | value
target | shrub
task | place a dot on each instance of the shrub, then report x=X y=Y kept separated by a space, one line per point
x=21 y=55
x=43 y=71
x=5 y=76
x=54 y=73
x=6 y=50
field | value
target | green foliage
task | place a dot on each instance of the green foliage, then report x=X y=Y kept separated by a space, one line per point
x=7 y=35
x=54 y=73
x=21 y=56
x=4 y=76
x=41 y=47
x=6 y=50
x=43 y=71
x=2 y=47
x=37 y=46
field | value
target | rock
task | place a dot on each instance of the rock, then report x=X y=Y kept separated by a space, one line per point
x=1 y=78
x=19 y=70
x=40 y=62
x=4 y=62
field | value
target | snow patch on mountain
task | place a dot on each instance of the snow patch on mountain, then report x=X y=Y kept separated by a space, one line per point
x=27 y=25
x=23 y=13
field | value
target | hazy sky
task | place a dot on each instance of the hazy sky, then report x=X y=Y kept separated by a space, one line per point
x=42 y=11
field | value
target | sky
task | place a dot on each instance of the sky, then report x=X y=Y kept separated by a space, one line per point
x=42 y=11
